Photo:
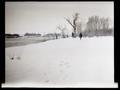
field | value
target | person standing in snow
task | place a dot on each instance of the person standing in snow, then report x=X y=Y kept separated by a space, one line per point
x=73 y=35
x=80 y=35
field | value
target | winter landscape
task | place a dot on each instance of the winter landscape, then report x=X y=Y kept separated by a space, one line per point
x=70 y=53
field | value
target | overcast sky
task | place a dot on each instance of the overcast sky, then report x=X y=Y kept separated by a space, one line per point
x=43 y=17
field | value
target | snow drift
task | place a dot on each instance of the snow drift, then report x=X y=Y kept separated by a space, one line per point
x=61 y=61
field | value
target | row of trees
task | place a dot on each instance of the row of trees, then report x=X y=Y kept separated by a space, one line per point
x=97 y=23
x=94 y=25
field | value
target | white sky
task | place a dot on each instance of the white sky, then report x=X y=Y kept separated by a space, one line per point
x=43 y=17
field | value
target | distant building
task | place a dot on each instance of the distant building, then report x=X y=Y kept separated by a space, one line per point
x=12 y=35
x=32 y=35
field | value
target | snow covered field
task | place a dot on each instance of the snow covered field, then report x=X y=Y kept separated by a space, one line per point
x=68 y=61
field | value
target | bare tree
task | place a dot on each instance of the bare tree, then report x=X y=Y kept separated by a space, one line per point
x=73 y=23
x=62 y=29
x=93 y=23
x=97 y=23
x=104 y=23
x=79 y=28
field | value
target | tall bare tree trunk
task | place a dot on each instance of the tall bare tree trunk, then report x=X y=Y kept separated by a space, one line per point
x=73 y=24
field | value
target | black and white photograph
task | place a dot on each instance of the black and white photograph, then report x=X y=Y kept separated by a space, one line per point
x=59 y=44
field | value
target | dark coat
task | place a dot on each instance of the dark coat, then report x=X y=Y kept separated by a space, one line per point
x=80 y=35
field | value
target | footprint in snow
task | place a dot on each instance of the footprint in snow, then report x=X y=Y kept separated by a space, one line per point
x=18 y=58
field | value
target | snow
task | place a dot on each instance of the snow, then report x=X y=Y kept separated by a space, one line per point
x=68 y=61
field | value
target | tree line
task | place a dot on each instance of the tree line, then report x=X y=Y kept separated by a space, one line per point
x=95 y=26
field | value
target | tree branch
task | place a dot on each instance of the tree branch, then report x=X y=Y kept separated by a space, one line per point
x=69 y=22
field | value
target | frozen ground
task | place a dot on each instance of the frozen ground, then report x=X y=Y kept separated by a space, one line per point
x=61 y=62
